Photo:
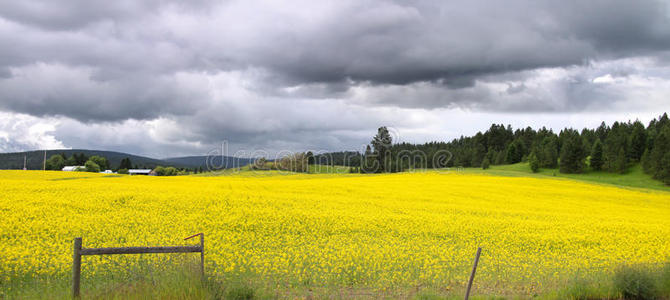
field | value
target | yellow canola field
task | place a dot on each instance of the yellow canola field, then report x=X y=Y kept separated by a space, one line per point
x=373 y=231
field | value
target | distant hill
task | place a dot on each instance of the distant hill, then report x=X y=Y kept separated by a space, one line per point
x=215 y=162
x=34 y=159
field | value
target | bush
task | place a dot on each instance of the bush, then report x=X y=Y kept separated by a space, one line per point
x=55 y=162
x=259 y=164
x=100 y=161
x=486 y=164
x=635 y=283
x=240 y=293
x=91 y=166
x=123 y=171
x=296 y=162
x=166 y=171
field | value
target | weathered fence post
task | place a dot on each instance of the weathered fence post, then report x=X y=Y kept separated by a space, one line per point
x=472 y=275
x=76 y=267
x=202 y=255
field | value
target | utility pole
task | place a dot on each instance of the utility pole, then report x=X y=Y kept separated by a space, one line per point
x=44 y=166
x=24 y=162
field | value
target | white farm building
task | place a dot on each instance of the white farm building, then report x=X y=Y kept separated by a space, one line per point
x=139 y=171
x=72 y=168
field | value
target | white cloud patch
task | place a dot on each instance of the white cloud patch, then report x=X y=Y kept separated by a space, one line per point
x=21 y=132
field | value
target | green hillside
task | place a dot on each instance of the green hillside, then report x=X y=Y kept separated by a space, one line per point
x=35 y=159
x=634 y=177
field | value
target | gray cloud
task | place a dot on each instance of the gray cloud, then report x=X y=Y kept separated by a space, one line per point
x=322 y=73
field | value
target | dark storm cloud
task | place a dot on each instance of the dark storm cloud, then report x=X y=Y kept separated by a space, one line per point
x=118 y=60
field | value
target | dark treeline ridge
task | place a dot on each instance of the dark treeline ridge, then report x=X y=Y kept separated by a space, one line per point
x=608 y=148
x=97 y=163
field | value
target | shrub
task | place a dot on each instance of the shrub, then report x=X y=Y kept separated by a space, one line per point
x=91 y=166
x=296 y=162
x=486 y=163
x=100 y=161
x=55 y=162
x=634 y=283
x=240 y=293
x=259 y=164
x=123 y=171
x=166 y=171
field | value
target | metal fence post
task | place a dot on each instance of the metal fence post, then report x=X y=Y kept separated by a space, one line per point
x=76 y=267
x=472 y=275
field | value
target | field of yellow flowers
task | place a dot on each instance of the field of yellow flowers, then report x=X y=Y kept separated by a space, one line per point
x=373 y=233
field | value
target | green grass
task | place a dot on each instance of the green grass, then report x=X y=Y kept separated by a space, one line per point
x=326 y=169
x=633 y=178
x=246 y=170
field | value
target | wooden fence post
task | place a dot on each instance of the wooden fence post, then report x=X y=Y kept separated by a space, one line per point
x=472 y=275
x=202 y=255
x=76 y=267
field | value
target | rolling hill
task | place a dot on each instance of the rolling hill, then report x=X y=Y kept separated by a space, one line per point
x=34 y=159
x=216 y=162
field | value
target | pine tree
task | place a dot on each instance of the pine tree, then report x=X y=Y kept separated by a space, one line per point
x=620 y=162
x=514 y=152
x=615 y=142
x=646 y=162
x=638 y=141
x=658 y=152
x=370 y=164
x=663 y=172
x=534 y=162
x=596 y=161
x=550 y=153
x=500 y=157
x=382 y=148
x=572 y=153
x=478 y=155
x=125 y=164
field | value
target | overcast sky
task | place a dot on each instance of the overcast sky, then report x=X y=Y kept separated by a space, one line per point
x=170 y=78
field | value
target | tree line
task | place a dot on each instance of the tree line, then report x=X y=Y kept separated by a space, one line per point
x=612 y=149
x=98 y=163
x=94 y=163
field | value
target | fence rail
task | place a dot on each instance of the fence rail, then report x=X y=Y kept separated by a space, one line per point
x=78 y=252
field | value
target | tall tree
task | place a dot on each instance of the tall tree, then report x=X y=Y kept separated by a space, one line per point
x=620 y=164
x=572 y=153
x=596 y=161
x=514 y=152
x=100 y=161
x=616 y=141
x=126 y=164
x=80 y=158
x=369 y=162
x=658 y=152
x=310 y=157
x=382 y=147
x=533 y=162
x=638 y=141
x=549 y=152
x=663 y=171
x=55 y=162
